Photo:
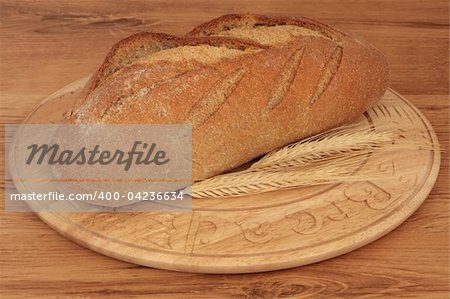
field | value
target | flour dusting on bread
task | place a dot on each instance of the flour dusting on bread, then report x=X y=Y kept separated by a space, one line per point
x=203 y=53
x=270 y=35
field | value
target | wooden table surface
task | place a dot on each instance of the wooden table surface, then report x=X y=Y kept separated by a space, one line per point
x=47 y=44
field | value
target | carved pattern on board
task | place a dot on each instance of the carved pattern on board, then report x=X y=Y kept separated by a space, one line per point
x=103 y=221
x=339 y=213
x=159 y=230
x=256 y=232
x=203 y=230
x=307 y=222
x=374 y=196
x=387 y=167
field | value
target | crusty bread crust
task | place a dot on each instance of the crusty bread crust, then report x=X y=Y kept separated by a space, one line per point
x=143 y=44
x=146 y=43
x=227 y=22
x=242 y=106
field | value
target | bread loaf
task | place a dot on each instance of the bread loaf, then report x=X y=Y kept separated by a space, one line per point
x=248 y=84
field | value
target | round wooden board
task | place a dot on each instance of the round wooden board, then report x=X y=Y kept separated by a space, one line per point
x=262 y=232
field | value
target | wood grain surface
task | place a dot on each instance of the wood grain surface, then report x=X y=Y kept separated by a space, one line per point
x=46 y=45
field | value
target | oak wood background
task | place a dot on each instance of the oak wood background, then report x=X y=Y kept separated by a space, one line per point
x=45 y=45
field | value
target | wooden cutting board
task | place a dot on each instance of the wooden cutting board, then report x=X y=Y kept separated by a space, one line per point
x=264 y=232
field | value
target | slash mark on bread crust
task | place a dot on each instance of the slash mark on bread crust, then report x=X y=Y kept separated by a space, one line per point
x=328 y=73
x=112 y=108
x=285 y=79
x=214 y=97
x=114 y=105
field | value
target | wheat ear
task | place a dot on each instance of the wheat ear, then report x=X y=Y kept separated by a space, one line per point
x=330 y=157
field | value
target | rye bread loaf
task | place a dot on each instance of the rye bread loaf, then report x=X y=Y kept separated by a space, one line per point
x=248 y=84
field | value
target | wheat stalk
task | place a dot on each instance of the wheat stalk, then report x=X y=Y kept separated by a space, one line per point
x=244 y=183
x=330 y=157
x=331 y=147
